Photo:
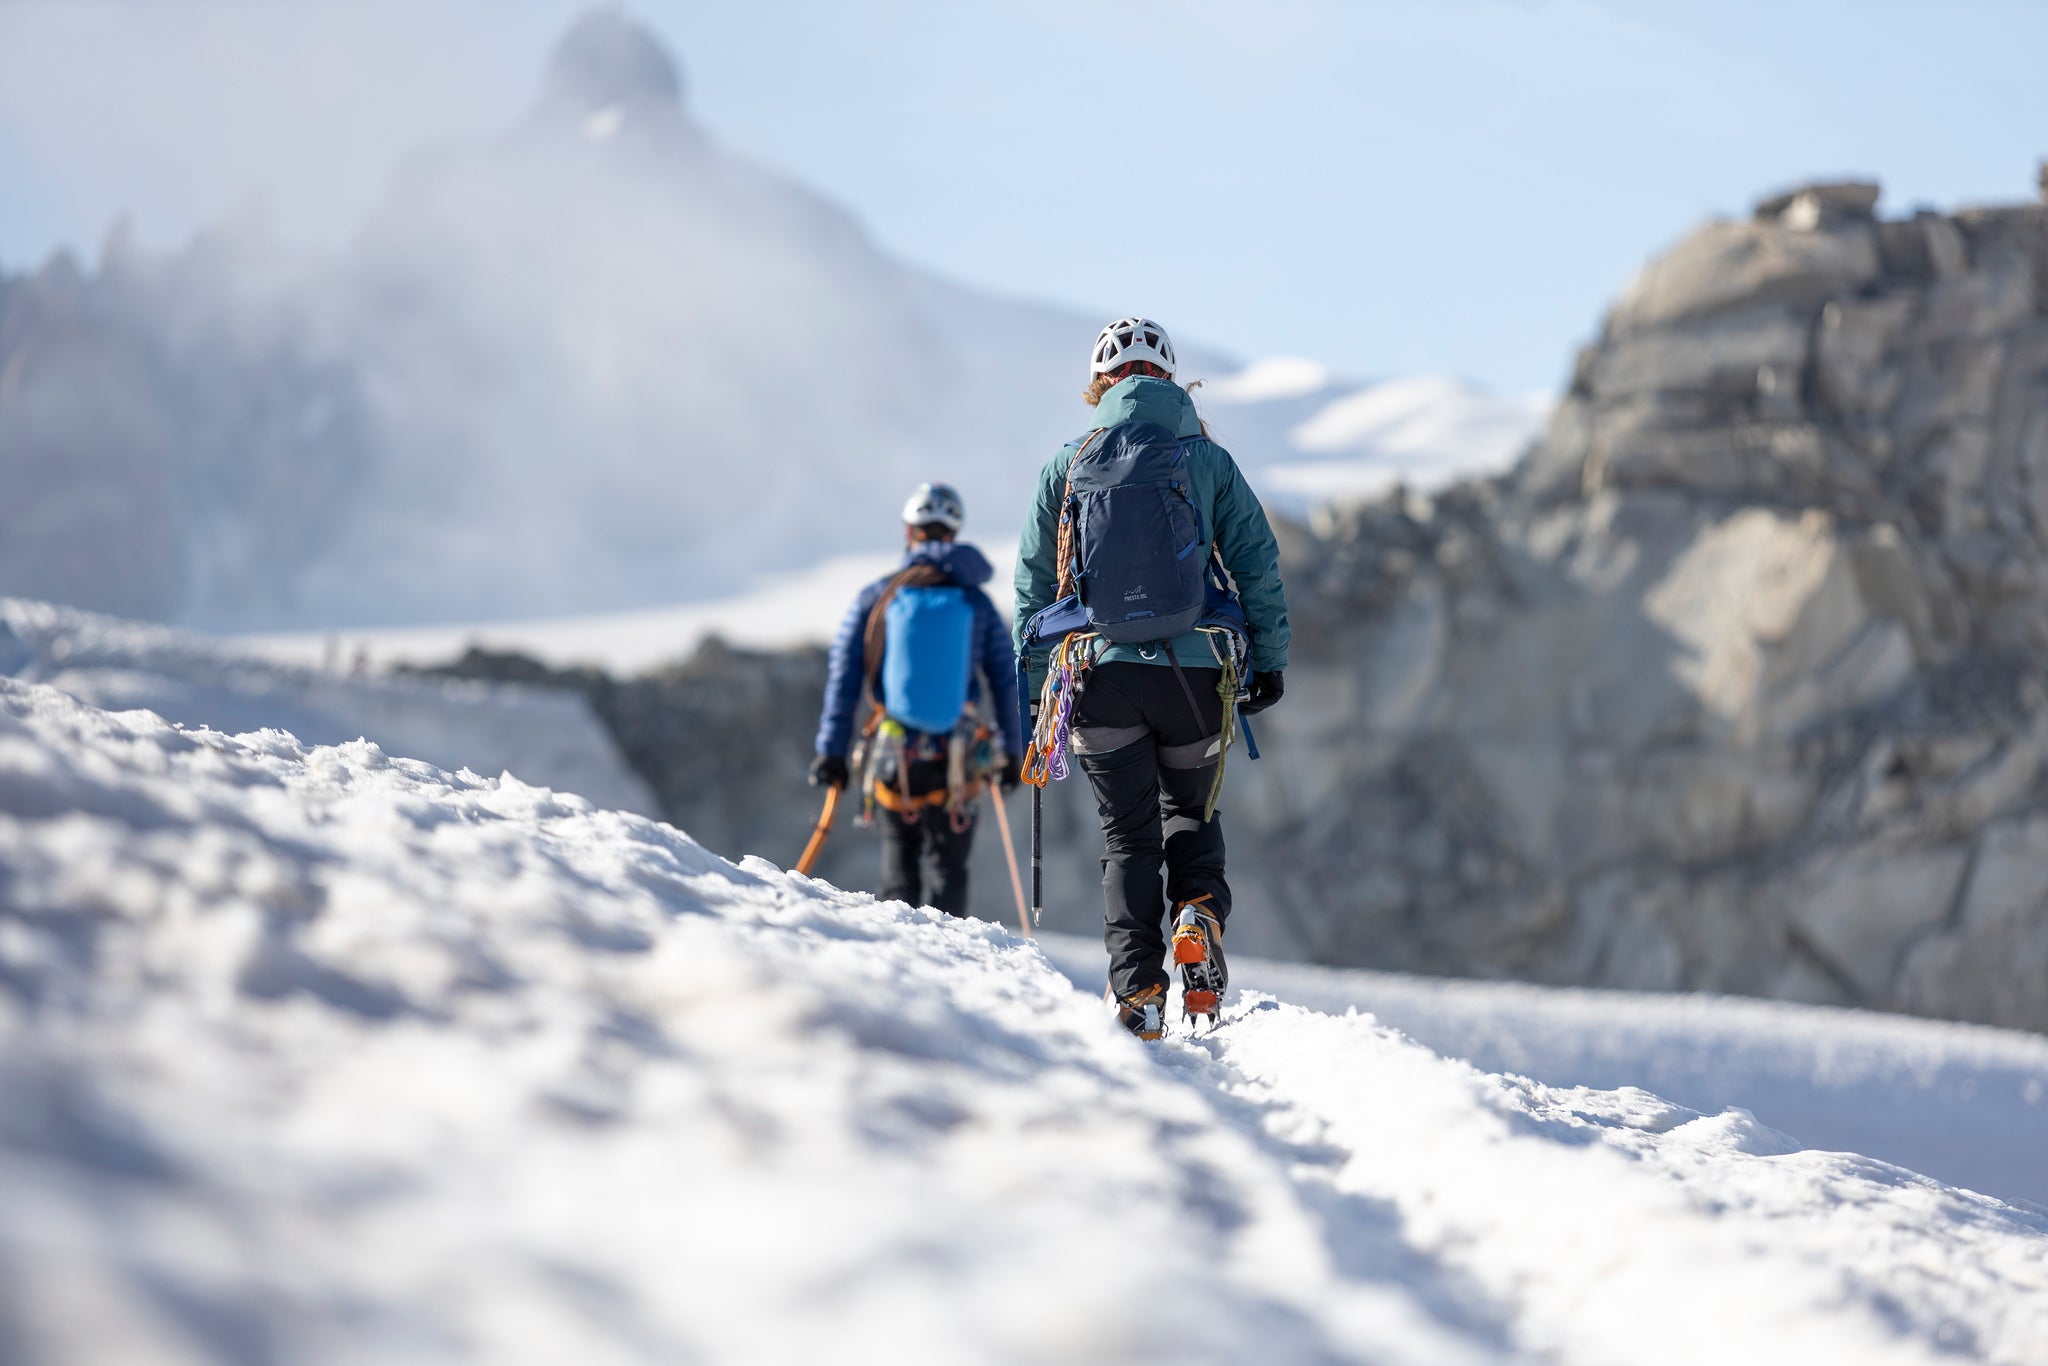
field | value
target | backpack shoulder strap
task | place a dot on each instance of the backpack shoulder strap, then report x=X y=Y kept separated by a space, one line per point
x=1063 y=545
x=1080 y=450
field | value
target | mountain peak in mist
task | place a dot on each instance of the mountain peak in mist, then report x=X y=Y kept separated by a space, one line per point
x=608 y=61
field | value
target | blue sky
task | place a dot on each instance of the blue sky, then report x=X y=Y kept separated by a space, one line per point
x=1457 y=185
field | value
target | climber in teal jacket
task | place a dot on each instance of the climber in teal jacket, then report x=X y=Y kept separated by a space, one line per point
x=1150 y=735
x=1227 y=504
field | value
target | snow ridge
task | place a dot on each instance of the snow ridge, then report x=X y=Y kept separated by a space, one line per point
x=316 y=1054
x=545 y=736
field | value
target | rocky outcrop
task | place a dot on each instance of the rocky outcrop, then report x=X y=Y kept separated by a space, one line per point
x=1737 y=683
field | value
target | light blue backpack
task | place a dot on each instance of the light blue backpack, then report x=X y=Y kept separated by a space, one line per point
x=928 y=657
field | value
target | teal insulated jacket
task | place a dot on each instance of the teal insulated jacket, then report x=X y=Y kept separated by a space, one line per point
x=1237 y=522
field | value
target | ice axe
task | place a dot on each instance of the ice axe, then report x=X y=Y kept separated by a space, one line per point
x=1024 y=719
x=817 y=844
x=1037 y=855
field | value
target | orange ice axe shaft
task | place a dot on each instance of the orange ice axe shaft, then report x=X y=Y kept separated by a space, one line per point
x=817 y=844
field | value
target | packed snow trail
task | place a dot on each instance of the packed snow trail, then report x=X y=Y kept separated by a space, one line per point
x=1709 y=1238
x=1966 y=1104
x=317 y=1055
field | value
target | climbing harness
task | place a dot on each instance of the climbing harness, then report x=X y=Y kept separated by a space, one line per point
x=1045 y=758
x=886 y=746
x=888 y=750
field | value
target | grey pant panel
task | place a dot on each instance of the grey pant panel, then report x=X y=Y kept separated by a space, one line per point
x=1201 y=754
x=1107 y=739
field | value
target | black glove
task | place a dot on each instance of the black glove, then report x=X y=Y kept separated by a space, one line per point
x=1012 y=774
x=1267 y=688
x=828 y=770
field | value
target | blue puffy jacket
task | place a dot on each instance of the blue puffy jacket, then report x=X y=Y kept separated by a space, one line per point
x=993 y=654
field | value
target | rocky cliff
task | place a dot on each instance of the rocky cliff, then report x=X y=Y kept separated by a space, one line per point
x=1736 y=684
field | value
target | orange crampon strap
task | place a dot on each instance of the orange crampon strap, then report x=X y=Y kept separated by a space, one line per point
x=1191 y=942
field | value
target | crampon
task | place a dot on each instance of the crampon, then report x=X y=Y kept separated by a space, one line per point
x=1143 y=1012
x=1198 y=950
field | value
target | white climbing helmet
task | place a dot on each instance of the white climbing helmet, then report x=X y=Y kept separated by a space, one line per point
x=935 y=503
x=1129 y=339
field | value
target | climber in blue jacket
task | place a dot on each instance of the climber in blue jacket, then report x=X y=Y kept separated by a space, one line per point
x=924 y=670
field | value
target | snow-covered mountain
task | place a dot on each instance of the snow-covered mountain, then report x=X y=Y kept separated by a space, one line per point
x=592 y=362
x=320 y=1054
x=1316 y=439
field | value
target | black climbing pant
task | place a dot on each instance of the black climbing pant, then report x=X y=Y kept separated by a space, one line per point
x=924 y=859
x=1151 y=757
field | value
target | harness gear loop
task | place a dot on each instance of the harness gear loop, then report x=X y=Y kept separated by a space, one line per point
x=861 y=770
x=1045 y=758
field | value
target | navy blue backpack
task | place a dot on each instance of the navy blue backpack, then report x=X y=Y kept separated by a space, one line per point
x=1131 y=539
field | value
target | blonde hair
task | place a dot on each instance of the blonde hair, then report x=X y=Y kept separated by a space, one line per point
x=1098 y=385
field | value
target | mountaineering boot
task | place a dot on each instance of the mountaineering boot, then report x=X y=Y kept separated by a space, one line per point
x=1198 y=948
x=1143 y=1012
